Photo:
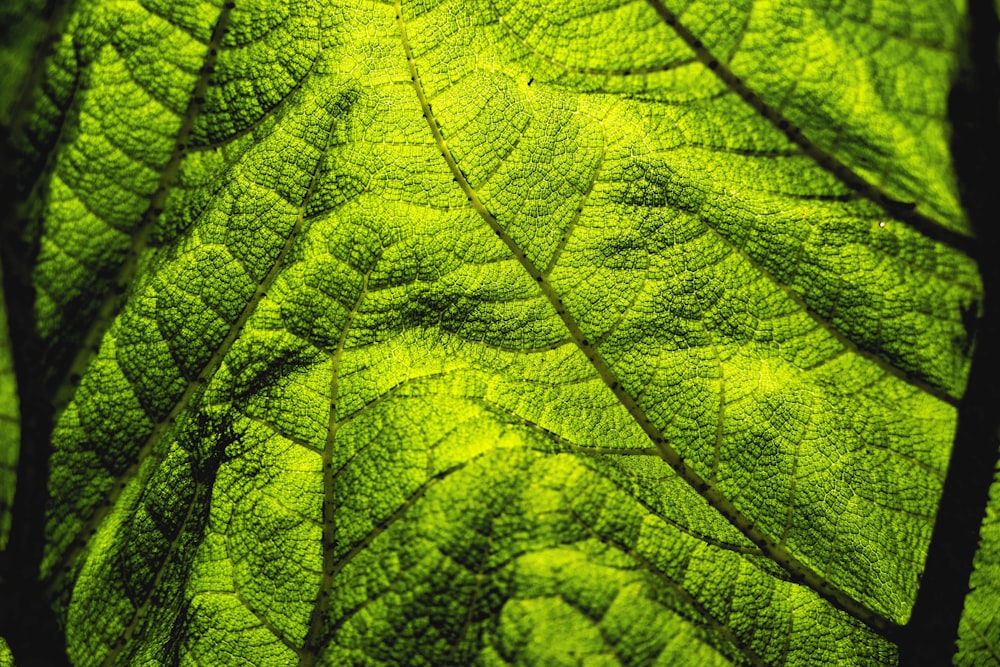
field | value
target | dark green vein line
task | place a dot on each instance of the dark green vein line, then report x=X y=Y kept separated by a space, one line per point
x=314 y=638
x=274 y=428
x=194 y=386
x=310 y=653
x=601 y=453
x=56 y=13
x=143 y=608
x=565 y=445
x=776 y=552
x=112 y=301
x=389 y=394
x=984 y=639
x=718 y=626
x=265 y=623
x=568 y=232
x=903 y=211
x=828 y=326
x=267 y=113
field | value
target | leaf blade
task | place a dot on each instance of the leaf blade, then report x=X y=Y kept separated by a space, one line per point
x=338 y=338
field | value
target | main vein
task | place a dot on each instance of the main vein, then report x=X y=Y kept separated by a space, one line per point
x=799 y=571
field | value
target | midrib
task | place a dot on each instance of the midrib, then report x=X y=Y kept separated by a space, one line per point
x=778 y=553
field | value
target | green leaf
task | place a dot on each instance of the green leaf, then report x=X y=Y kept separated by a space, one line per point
x=6 y=657
x=10 y=431
x=979 y=632
x=497 y=332
x=861 y=82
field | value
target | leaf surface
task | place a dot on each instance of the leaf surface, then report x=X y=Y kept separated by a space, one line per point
x=496 y=332
x=6 y=657
x=10 y=427
x=979 y=632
